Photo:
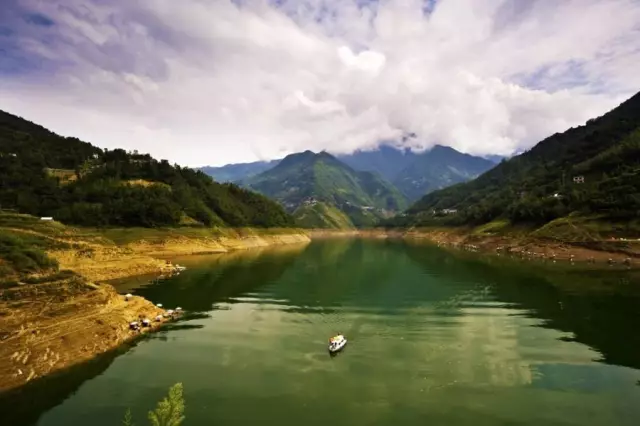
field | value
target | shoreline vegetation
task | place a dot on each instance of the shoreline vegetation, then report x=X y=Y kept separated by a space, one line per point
x=60 y=311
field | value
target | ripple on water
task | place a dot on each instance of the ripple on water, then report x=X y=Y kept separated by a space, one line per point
x=432 y=339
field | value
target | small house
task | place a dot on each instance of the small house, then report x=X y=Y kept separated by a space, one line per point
x=46 y=219
x=578 y=179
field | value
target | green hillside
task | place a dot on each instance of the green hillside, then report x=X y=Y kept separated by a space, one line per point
x=45 y=174
x=413 y=174
x=438 y=168
x=238 y=172
x=590 y=170
x=316 y=185
x=322 y=215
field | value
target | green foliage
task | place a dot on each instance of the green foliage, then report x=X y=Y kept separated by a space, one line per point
x=22 y=256
x=300 y=181
x=116 y=188
x=128 y=419
x=537 y=187
x=322 y=215
x=168 y=412
x=413 y=174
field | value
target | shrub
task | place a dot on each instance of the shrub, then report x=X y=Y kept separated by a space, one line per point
x=168 y=412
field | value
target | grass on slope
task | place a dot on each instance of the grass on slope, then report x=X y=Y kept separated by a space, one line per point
x=20 y=256
x=122 y=236
x=588 y=228
x=23 y=248
x=568 y=229
x=322 y=215
x=51 y=234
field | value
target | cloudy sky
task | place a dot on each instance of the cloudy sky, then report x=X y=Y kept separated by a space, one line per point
x=216 y=81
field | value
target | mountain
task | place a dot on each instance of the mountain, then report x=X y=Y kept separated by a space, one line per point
x=590 y=170
x=414 y=174
x=438 y=168
x=45 y=174
x=322 y=191
x=388 y=161
x=495 y=159
x=238 y=172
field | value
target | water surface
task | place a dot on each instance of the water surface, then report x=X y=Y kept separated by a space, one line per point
x=434 y=338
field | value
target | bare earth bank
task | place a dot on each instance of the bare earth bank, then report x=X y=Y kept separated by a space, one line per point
x=604 y=252
x=63 y=321
x=50 y=326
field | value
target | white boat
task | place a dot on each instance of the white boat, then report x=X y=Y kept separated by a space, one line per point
x=336 y=343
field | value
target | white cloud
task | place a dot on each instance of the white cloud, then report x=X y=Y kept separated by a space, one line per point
x=210 y=82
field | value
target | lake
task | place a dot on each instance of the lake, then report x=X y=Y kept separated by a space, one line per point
x=435 y=337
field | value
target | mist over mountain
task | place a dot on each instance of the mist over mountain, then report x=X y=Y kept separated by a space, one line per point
x=413 y=173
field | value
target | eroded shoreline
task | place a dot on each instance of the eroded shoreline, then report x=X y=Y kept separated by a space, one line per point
x=603 y=252
x=50 y=326
x=46 y=328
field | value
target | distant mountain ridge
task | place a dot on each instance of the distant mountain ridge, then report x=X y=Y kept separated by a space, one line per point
x=238 y=172
x=414 y=174
x=417 y=174
x=386 y=160
x=321 y=191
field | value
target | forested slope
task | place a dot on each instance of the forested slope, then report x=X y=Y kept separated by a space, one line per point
x=45 y=174
x=592 y=169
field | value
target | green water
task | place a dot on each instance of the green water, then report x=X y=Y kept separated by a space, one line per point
x=434 y=338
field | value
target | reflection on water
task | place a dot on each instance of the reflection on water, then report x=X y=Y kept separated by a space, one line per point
x=433 y=337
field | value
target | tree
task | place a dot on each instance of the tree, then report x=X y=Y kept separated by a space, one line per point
x=168 y=412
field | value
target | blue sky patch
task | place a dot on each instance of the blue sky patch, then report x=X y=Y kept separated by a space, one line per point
x=556 y=76
x=39 y=19
x=428 y=6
